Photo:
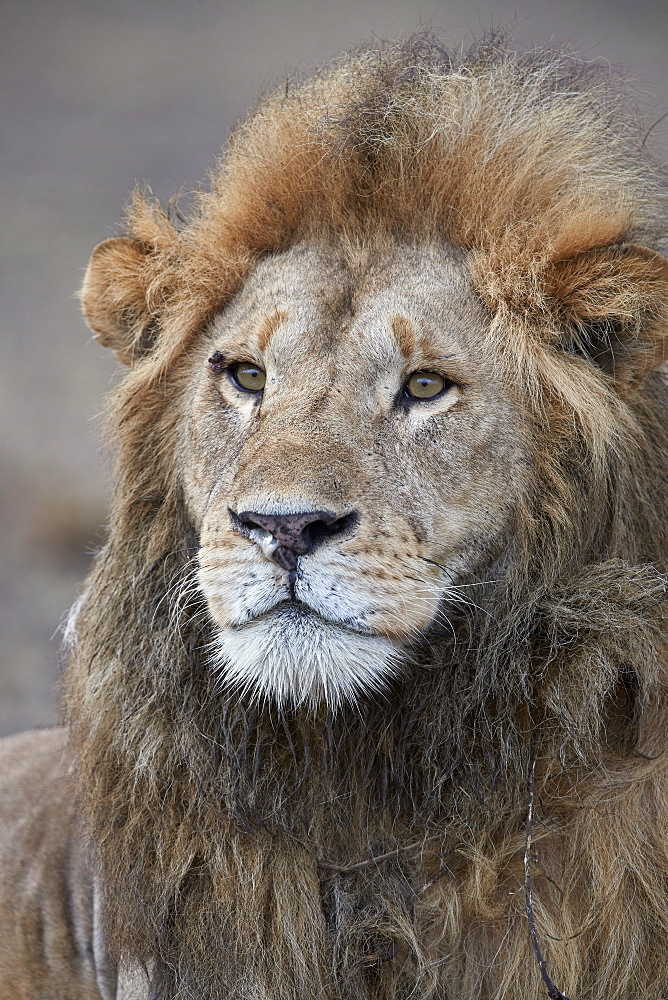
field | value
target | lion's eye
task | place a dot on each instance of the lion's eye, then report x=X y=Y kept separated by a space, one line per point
x=247 y=377
x=426 y=385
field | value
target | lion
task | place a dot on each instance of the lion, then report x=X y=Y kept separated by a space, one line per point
x=366 y=691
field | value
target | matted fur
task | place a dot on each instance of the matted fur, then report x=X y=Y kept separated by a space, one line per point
x=235 y=840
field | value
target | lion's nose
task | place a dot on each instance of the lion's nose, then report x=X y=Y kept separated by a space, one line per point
x=293 y=535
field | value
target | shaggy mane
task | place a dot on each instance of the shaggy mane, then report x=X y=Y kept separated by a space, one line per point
x=519 y=159
x=260 y=854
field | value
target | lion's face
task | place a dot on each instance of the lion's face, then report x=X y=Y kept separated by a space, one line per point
x=341 y=504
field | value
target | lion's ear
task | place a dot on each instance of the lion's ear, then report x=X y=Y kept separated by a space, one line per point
x=614 y=302
x=113 y=298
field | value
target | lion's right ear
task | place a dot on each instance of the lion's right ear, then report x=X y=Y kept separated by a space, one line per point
x=113 y=298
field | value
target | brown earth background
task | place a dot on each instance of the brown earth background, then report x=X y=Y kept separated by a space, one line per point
x=97 y=96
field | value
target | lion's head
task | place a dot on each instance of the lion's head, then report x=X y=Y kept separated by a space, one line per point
x=350 y=456
x=390 y=466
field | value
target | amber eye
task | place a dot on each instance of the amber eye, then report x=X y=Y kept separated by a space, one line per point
x=247 y=376
x=425 y=385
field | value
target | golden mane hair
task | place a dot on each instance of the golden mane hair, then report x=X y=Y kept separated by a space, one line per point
x=252 y=853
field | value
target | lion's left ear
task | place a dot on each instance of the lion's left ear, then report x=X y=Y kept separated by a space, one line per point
x=614 y=303
x=113 y=298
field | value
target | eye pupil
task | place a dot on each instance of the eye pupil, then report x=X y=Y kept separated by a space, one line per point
x=425 y=385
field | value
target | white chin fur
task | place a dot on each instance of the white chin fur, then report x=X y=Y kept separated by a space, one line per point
x=292 y=656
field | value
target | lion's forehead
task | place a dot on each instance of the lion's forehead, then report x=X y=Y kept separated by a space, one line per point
x=362 y=311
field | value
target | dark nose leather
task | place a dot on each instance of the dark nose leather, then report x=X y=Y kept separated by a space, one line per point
x=296 y=534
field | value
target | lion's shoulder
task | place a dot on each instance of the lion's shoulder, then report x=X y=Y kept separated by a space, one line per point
x=46 y=886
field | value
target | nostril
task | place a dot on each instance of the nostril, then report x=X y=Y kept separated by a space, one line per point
x=249 y=521
x=325 y=527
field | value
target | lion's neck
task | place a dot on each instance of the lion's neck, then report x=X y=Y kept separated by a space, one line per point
x=206 y=812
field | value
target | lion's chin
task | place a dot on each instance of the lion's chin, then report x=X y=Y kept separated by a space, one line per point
x=292 y=656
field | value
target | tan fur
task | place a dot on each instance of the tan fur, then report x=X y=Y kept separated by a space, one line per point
x=268 y=326
x=350 y=822
x=46 y=891
x=402 y=328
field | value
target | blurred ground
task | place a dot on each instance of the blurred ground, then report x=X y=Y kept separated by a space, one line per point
x=95 y=97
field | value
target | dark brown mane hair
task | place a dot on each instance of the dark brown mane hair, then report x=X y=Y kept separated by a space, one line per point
x=237 y=842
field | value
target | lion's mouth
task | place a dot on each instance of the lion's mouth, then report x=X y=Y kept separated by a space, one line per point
x=299 y=611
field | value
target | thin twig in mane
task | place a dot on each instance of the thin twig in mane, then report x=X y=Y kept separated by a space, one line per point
x=552 y=991
x=358 y=865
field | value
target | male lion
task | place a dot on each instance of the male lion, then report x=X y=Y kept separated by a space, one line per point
x=367 y=688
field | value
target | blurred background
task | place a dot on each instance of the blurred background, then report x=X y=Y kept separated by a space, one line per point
x=97 y=95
